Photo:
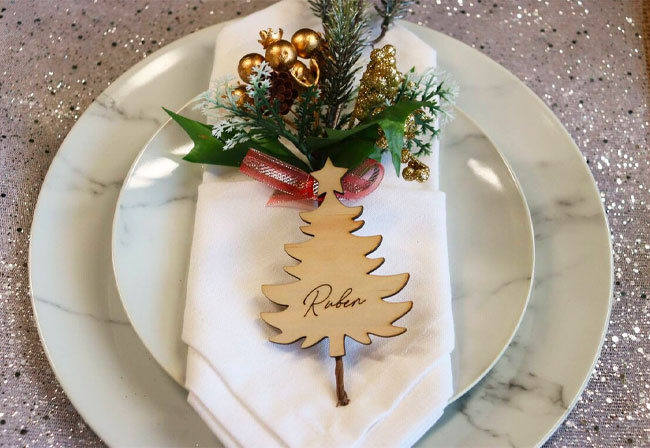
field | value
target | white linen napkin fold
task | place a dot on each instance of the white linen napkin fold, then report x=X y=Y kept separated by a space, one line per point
x=252 y=392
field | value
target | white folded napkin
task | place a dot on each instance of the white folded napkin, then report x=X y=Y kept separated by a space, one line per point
x=252 y=392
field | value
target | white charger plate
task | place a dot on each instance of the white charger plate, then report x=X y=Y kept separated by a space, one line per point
x=129 y=400
x=491 y=249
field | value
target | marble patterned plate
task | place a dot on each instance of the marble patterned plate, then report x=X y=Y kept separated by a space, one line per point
x=491 y=252
x=129 y=400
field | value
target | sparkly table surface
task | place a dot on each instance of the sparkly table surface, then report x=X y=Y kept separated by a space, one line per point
x=585 y=59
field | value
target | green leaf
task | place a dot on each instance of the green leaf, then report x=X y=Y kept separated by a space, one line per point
x=399 y=111
x=391 y=120
x=335 y=136
x=346 y=147
x=376 y=154
x=349 y=147
x=209 y=150
x=351 y=151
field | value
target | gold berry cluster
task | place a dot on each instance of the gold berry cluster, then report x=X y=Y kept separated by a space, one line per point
x=379 y=83
x=415 y=169
x=282 y=55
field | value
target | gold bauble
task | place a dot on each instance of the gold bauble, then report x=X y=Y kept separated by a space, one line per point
x=408 y=173
x=268 y=36
x=415 y=169
x=239 y=95
x=422 y=175
x=281 y=55
x=305 y=76
x=307 y=42
x=246 y=65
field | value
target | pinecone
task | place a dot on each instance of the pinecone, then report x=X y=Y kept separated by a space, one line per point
x=283 y=90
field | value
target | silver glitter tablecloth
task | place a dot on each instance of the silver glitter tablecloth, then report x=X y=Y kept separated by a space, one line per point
x=585 y=59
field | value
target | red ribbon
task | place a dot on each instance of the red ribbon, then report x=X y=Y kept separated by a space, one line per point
x=294 y=186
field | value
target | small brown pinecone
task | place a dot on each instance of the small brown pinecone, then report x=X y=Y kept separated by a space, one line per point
x=283 y=91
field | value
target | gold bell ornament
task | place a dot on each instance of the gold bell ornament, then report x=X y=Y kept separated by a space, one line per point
x=305 y=76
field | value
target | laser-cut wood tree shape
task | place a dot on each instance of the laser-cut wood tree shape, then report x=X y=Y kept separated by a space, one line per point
x=335 y=295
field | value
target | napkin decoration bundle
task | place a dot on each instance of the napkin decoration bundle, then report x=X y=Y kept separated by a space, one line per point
x=292 y=122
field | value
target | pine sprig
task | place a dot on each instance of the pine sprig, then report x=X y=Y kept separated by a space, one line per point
x=439 y=91
x=319 y=7
x=307 y=113
x=345 y=28
x=390 y=11
x=425 y=125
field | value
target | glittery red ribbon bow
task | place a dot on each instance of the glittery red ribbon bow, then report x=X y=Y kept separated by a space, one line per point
x=294 y=186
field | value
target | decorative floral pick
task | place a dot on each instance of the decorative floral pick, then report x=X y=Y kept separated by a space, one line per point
x=295 y=99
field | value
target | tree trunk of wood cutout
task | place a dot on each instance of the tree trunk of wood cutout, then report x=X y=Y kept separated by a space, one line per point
x=335 y=296
x=341 y=397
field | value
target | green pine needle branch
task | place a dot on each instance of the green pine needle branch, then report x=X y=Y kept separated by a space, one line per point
x=307 y=114
x=438 y=90
x=345 y=26
x=319 y=7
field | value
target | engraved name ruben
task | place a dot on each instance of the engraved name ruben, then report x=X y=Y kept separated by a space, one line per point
x=319 y=299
